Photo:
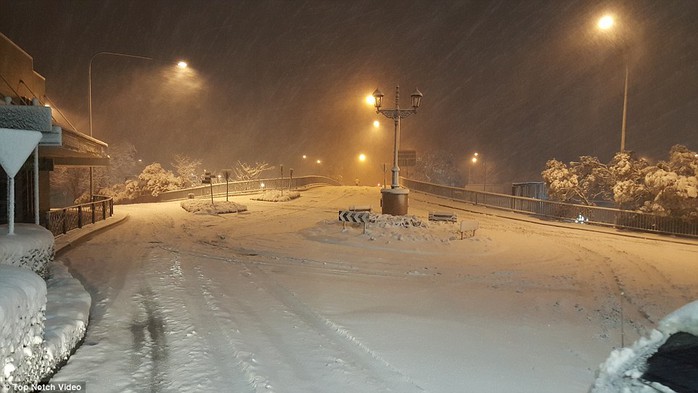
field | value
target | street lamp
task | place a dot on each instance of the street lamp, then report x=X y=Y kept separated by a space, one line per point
x=89 y=103
x=606 y=23
x=395 y=198
x=180 y=64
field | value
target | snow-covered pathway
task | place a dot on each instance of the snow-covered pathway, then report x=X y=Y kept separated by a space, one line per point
x=281 y=299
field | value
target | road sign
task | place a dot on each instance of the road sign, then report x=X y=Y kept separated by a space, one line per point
x=407 y=158
x=354 y=216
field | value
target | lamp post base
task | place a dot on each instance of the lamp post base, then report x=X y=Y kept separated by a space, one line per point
x=394 y=201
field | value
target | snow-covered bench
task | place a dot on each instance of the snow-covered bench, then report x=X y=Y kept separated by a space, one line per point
x=360 y=208
x=443 y=216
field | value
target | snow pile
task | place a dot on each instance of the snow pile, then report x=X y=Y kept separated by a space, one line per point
x=31 y=247
x=22 y=306
x=24 y=117
x=204 y=206
x=409 y=228
x=622 y=370
x=67 y=313
x=277 y=196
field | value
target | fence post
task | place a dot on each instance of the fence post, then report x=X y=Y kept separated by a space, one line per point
x=79 y=216
x=65 y=221
x=48 y=220
x=104 y=209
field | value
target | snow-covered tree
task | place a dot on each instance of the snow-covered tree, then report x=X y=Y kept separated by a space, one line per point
x=186 y=169
x=669 y=188
x=628 y=185
x=245 y=171
x=673 y=185
x=562 y=182
x=594 y=179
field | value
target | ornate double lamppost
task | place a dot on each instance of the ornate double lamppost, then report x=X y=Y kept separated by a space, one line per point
x=394 y=199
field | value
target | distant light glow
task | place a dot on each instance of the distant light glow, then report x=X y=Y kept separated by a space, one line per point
x=319 y=161
x=362 y=157
x=376 y=124
x=182 y=64
x=474 y=160
x=305 y=156
x=606 y=22
x=370 y=100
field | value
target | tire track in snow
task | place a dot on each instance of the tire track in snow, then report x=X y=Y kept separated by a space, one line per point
x=234 y=371
x=616 y=292
x=349 y=343
x=330 y=344
x=656 y=283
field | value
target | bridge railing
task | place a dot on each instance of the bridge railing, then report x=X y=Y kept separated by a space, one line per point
x=61 y=220
x=241 y=187
x=617 y=218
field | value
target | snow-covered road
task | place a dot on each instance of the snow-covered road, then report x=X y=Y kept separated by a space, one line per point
x=281 y=299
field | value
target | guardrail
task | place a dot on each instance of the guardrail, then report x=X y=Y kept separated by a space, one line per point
x=60 y=221
x=616 y=218
x=241 y=187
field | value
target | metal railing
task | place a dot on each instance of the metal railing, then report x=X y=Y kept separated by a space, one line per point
x=616 y=218
x=60 y=221
x=241 y=187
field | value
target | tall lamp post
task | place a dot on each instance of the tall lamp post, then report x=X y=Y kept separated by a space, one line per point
x=475 y=159
x=395 y=198
x=89 y=94
x=606 y=23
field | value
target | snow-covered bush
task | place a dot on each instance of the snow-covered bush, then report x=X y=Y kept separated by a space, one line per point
x=277 y=196
x=204 y=206
x=155 y=180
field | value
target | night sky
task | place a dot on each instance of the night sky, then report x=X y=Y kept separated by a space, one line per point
x=520 y=82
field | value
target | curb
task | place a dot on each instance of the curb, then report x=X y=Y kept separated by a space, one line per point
x=69 y=239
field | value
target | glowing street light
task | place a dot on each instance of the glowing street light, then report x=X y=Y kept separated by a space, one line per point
x=362 y=157
x=182 y=64
x=394 y=198
x=370 y=100
x=606 y=23
x=476 y=157
x=376 y=124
